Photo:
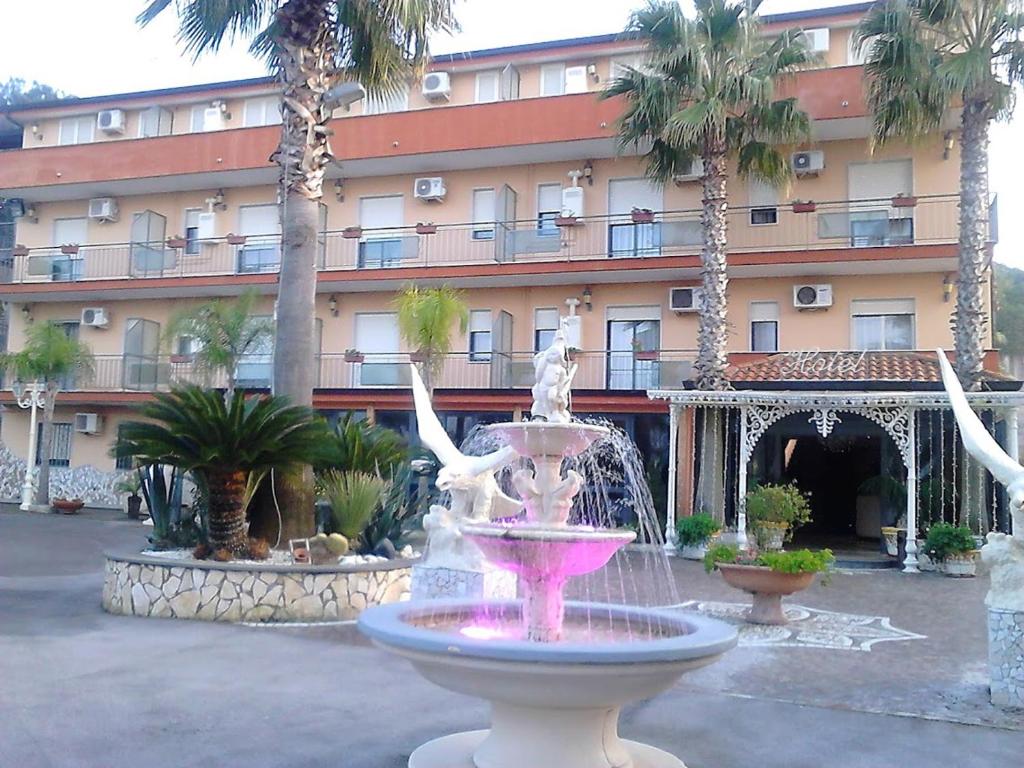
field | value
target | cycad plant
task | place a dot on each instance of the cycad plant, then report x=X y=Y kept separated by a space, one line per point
x=49 y=357
x=356 y=445
x=354 y=498
x=426 y=317
x=222 y=331
x=708 y=92
x=923 y=58
x=229 y=444
x=313 y=46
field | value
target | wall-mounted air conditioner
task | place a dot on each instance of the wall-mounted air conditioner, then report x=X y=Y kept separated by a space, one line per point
x=429 y=188
x=437 y=86
x=88 y=423
x=809 y=163
x=95 y=317
x=103 y=209
x=206 y=226
x=693 y=173
x=572 y=201
x=812 y=296
x=684 y=299
x=111 y=121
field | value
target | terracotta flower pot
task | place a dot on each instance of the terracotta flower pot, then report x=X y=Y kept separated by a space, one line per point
x=642 y=216
x=176 y=242
x=645 y=354
x=354 y=357
x=809 y=207
x=565 y=221
x=69 y=250
x=352 y=233
x=235 y=239
x=904 y=201
x=67 y=506
x=19 y=250
x=767 y=587
x=426 y=229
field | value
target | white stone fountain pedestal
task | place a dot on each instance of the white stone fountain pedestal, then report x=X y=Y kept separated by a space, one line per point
x=430 y=582
x=1006 y=657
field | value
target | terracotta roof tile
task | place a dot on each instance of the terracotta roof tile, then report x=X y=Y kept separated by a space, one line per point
x=918 y=367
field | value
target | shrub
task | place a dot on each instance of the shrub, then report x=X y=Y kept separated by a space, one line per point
x=780 y=504
x=945 y=539
x=395 y=516
x=694 y=530
x=721 y=553
x=354 y=498
x=797 y=561
x=358 y=446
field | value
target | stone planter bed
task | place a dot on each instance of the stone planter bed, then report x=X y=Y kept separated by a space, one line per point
x=170 y=586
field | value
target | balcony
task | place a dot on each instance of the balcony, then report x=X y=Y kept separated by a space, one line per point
x=826 y=232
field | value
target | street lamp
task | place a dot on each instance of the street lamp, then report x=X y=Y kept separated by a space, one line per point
x=29 y=395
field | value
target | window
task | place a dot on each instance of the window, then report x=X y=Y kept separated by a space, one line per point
x=186 y=346
x=154 y=121
x=192 y=244
x=480 y=336
x=620 y=66
x=380 y=247
x=377 y=337
x=206 y=118
x=488 y=86
x=764 y=200
x=873 y=221
x=764 y=326
x=632 y=330
x=853 y=56
x=549 y=207
x=68 y=232
x=149 y=252
x=60 y=444
x=142 y=369
x=383 y=103
x=552 y=80
x=265 y=110
x=545 y=323
x=261 y=225
x=255 y=366
x=76 y=130
x=483 y=214
x=626 y=238
x=886 y=324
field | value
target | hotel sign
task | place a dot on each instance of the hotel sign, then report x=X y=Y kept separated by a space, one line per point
x=813 y=363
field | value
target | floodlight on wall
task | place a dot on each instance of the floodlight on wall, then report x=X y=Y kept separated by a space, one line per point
x=947 y=288
x=339 y=190
x=344 y=95
x=948 y=142
x=588 y=172
x=332 y=305
x=588 y=298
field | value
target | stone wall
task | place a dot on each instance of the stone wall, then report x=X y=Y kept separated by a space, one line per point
x=146 y=585
x=1006 y=657
x=91 y=485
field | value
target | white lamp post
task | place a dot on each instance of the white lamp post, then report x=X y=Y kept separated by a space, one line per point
x=29 y=396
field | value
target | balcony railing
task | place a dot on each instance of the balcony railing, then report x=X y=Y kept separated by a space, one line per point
x=790 y=227
x=619 y=370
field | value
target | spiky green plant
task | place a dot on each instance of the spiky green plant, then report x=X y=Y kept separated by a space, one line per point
x=354 y=498
x=229 y=444
x=923 y=59
x=426 y=317
x=708 y=92
x=49 y=356
x=356 y=445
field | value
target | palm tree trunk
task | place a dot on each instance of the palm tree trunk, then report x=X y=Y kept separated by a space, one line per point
x=45 y=448
x=713 y=330
x=970 y=326
x=226 y=512
x=307 y=49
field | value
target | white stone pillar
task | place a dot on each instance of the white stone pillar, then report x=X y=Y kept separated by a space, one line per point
x=910 y=561
x=1012 y=448
x=673 y=470
x=741 y=484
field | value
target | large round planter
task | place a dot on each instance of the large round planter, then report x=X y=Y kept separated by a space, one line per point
x=964 y=566
x=67 y=506
x=767 y=587
x=693 y=551
x=173 y=588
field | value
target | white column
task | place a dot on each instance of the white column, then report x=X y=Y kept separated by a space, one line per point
x=28 y=487
x=741 y=484
x=1012 y=448
x=910 y=562
x=673 y=472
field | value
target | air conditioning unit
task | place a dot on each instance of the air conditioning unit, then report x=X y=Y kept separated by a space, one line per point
x=437 y=86
x=572 y=327
x=213 y=118
x=817 y=39
x=684 y=299
x=111 y=121
x=206 y=226
x=695 y=171
x=88 y=423
x=95 y=317
x=572 y=201
x=812 y=296
x=429 y=188
x=809 y=163
x=103 y=209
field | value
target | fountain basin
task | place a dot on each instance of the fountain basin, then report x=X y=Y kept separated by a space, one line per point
x=553 y=705
x=542 y=438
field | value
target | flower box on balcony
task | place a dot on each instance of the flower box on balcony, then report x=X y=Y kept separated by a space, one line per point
x=642 y=216
x=801 y=207
x=69 y=250
x=179 y=359
x=19 y=250
x=354 y=356
x=566 y=221
x=904 y=201
x=417 y=357
x=574 y=355
x=176 y=242
x=234 y=239
x=645 y=354
x=352 y=233
x=426 y=229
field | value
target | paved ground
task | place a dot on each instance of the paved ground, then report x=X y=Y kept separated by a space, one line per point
x=81 y=688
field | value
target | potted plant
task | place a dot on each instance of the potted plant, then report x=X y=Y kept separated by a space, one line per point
x=69 y=250
x=774 y=512
x=177 y=242
x=767 y=576
x=952 y=548
x=234 y=239
x=131 y=484
x=19 y=250
x=426 y=229
x=354 y=356
x=352 y=233
x=904 y=201
x=565 y=221
x=67 y=506
x=801 y=206
x=694 y=533
x=642 y=216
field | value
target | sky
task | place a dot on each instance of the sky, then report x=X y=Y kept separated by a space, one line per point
x=94 y=48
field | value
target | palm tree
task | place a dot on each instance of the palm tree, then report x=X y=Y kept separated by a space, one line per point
x=708 y=93
x=425 y=320
x=923 y=57
x=229 y=444
x=223 y=332
x=50 y=356
x=313 y=45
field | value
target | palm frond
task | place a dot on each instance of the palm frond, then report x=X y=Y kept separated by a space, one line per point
x=49 y=355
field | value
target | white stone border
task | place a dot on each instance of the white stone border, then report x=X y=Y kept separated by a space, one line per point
x=148 y=585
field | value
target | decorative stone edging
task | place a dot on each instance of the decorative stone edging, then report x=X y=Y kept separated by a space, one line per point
x=148 y=585
x=1006 y=657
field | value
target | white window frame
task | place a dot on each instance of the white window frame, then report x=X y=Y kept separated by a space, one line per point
x=472 y=332
x=537 y=327
x=73 y=125
x=189 y=243
x=771 y=315
x=494 y=74
x=552 y=231
x=483 y=228
x=554 y=71
x=160 y=112
x=262 y=104
x=883 y=308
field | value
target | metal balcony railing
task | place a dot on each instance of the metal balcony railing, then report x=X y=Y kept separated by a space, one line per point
x=647 y=235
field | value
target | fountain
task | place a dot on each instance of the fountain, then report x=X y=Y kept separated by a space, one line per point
x=556 y=672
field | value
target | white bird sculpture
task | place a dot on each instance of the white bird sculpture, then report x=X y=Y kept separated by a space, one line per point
x=470 y=479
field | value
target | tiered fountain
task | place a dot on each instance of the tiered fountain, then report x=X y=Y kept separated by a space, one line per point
x=556 y=673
